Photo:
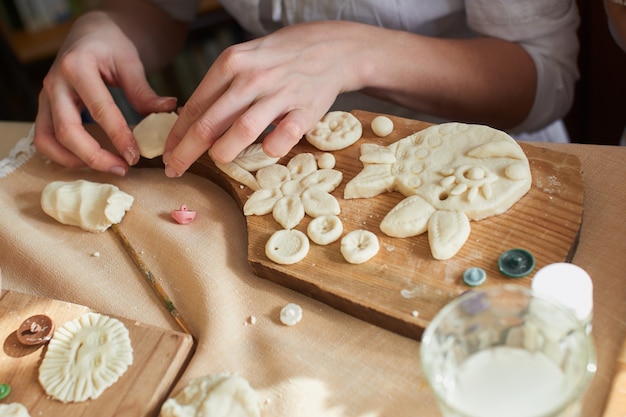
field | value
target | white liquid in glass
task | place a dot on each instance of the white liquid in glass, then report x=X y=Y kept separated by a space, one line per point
x=506 y=381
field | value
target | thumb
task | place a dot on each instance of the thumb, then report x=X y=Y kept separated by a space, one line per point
x=142 y=96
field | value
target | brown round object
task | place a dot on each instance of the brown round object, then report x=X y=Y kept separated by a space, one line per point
x=35 y=330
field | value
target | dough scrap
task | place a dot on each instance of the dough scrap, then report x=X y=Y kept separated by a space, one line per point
x=287 y=247
x=214 y=395
x=85 y=357
x=151 y=133
x=13 y=410
x=93 y=207
x=359 y=246
x=337 y=130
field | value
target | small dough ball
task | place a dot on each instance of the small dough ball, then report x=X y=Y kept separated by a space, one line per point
x=382 y=126
x=326 y=161
x=151 y=133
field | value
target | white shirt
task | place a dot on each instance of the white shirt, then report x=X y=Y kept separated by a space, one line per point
x=545 y=28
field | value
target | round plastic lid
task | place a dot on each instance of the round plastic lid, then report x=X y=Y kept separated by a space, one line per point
x=516 y=263
x=474 y=276
x=567 y=283
x=5 y=390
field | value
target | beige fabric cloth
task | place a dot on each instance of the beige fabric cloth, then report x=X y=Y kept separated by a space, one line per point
x=330 y=364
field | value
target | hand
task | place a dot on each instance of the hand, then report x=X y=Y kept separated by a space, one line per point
x=95 y=54
x=289 y=78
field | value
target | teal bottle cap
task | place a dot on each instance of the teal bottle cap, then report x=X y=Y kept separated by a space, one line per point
x=474 y=276
x=516 y=263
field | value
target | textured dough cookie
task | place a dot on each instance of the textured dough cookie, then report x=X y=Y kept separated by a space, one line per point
x=13 y=410
x=287 y=247
x=474 y=170
x=93 y=207
x=215 y=395
x=254 y=158
x=324 y=230
x=337 y=130
x=85 y=357
x=359 y=246
x=151 y=133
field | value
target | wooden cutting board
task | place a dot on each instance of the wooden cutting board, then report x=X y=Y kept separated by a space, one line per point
x=159 y=356
x=403 y=287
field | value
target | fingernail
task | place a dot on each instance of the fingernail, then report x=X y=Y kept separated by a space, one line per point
x=169 y=171
x=131 y=156
x=117 y=170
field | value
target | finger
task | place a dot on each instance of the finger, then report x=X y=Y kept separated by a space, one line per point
x=287 y=133
x=207 y=92
x=140 y=94
x=102 y=108
x=245 y=130
x=45 y=140
x=71 y=134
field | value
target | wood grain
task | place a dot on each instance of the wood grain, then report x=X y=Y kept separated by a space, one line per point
x=403 y=287
x=158 y=358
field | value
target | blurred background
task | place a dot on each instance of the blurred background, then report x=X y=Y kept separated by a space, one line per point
x=32 y=31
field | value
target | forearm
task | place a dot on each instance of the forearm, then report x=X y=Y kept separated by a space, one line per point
x=157 y=37
x=483 y=80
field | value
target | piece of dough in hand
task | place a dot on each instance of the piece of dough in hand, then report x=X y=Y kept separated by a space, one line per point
x=151 y=133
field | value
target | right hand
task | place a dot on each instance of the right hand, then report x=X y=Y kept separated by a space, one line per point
x=95 y=54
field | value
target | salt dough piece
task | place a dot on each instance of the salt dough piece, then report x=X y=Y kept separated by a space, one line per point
x=317 y=202
x=326 y=161
x=287 y=247
x=408 y=218
x=214 y=395
x=382 y=126
x=273 y=176
x=13 y=410
x=359 y=246
x=288 y=211
x=291 y=314
x=151 y=133
x=93 y=207
x=337 y=130
x=447 y=233
x=470 y=169
x=324 y=230
x=262 y=202
x=254 y=158
x=324 y=179
x=85 y=357
x=301 y=165
x=238 y=174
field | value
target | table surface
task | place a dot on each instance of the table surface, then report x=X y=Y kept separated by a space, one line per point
x=600 y=252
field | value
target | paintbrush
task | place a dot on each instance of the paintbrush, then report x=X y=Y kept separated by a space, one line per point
x=154 y=283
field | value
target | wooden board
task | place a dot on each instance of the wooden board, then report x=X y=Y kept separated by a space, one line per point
x=403 y=287
x=158 y=358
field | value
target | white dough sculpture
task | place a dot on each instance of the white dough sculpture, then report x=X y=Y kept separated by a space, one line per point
x=93 y=207
x=450 y=174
